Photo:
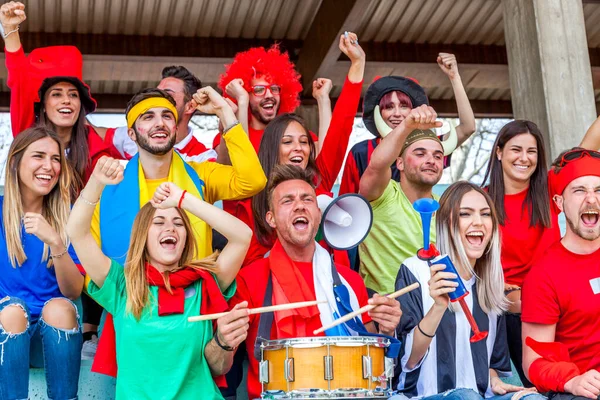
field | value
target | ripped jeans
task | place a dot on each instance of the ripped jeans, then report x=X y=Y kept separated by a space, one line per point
x=41 y=345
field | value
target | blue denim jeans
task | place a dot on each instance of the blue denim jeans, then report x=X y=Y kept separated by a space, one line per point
x=41 y=345
x=468 y=394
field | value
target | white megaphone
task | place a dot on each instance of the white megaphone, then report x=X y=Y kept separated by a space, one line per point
x=346 y=220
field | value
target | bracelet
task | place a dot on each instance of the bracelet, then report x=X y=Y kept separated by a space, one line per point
x=230 y=126
x=223 y=346
x=11 y=32
x=87 y=201
x=421 y=330
x=60 y=254
x=181 y=199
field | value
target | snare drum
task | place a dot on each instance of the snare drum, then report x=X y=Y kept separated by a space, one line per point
x=325 y=367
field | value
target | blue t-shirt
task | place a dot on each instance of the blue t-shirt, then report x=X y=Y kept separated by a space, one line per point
x=33 y=282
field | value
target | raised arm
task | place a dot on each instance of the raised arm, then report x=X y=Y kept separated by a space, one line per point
x=237 y=233
x=12 y=14
x=321 y=88
x=466 y=127
x=378 y=173
x=591 y=140
x=245 y=177
x=331 y=159
x=235 y=89
x=108 y=171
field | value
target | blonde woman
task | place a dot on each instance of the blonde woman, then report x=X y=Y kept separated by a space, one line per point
x=159 y=353
x=38 y=276
x=438 y=361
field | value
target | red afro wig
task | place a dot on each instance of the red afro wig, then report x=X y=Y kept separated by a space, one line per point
x=271 y=64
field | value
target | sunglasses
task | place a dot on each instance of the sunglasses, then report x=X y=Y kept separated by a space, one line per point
x=260 y=90
x=576 y=155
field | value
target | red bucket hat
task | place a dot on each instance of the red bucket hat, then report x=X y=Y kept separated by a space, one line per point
x=47 y=66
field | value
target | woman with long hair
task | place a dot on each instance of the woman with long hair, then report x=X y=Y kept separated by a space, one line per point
x=517 y=182
x=159 y=353
x=437 y=355
x=38 y=278
x=47 y=89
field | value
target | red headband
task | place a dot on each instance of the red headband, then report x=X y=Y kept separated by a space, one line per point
x=558 y=181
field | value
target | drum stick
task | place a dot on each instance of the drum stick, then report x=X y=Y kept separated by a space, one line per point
x=259 y=310
x=366 y=308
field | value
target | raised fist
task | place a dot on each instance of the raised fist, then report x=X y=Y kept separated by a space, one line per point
x=108 y=171
x=321 y=88
x=12 y=14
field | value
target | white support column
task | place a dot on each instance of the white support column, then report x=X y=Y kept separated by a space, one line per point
x=549 y=68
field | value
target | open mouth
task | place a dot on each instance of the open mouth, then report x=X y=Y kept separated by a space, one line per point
x=159 y=135
x=300 y=223
x=44 y=178
x=168 y=242
x=395 y=122
x=475 y=238
x=430 y=170
x=65 y=111
x=521 y=167
x=589 y=217
x=268 y=106
x=297 y=160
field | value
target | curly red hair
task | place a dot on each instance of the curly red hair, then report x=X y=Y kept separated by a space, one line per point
x=271 y=64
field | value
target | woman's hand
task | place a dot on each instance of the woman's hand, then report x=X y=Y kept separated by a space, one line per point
x=108 y=171
x=167 y=195
x=501 y=388
x=12 y=14
x=448 y=64
x=350 y=47
x=441 y=284
x=232 y=329
x=36 y=224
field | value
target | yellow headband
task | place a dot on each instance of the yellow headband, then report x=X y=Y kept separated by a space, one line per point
x=147 y=104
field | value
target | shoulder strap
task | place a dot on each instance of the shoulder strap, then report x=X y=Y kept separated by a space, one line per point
x=265 y=322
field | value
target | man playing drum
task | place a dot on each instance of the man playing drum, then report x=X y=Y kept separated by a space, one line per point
x=299 y=269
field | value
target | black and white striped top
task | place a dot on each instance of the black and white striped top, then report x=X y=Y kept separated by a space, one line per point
x=451 y=361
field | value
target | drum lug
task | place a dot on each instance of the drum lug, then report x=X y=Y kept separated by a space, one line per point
x=263 y=371
x=366 y=367
x=288 y=369
x=389 y=367
x=328 y=361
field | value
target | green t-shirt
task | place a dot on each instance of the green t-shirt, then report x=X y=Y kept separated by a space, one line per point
x=158 y=357
x=396 y=235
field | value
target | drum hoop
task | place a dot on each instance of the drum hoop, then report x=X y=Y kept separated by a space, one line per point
x=324 y=341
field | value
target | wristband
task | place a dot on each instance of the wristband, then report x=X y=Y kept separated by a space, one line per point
x=60 y=254
x=181 y=199
x=223 y=346
x=421 y=330
x=225 y=130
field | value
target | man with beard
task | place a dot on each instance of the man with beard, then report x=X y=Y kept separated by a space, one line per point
x=397 y=232
x=264 y=82
x=299 y=269
x=561 y=293
x=181 y=84
x=152 y=124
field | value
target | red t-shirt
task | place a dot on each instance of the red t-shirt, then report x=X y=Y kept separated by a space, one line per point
x=522 y=244
x=251 y=287
x=558 y=291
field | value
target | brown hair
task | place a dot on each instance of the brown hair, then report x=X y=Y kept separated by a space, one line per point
x=268 y=155
x=136 y=282
x=537 y=201
x=283 y=173
x=56 y=204
x=488 y=268
x=79 y=151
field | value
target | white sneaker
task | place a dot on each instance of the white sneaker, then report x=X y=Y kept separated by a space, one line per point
x=88 y=350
